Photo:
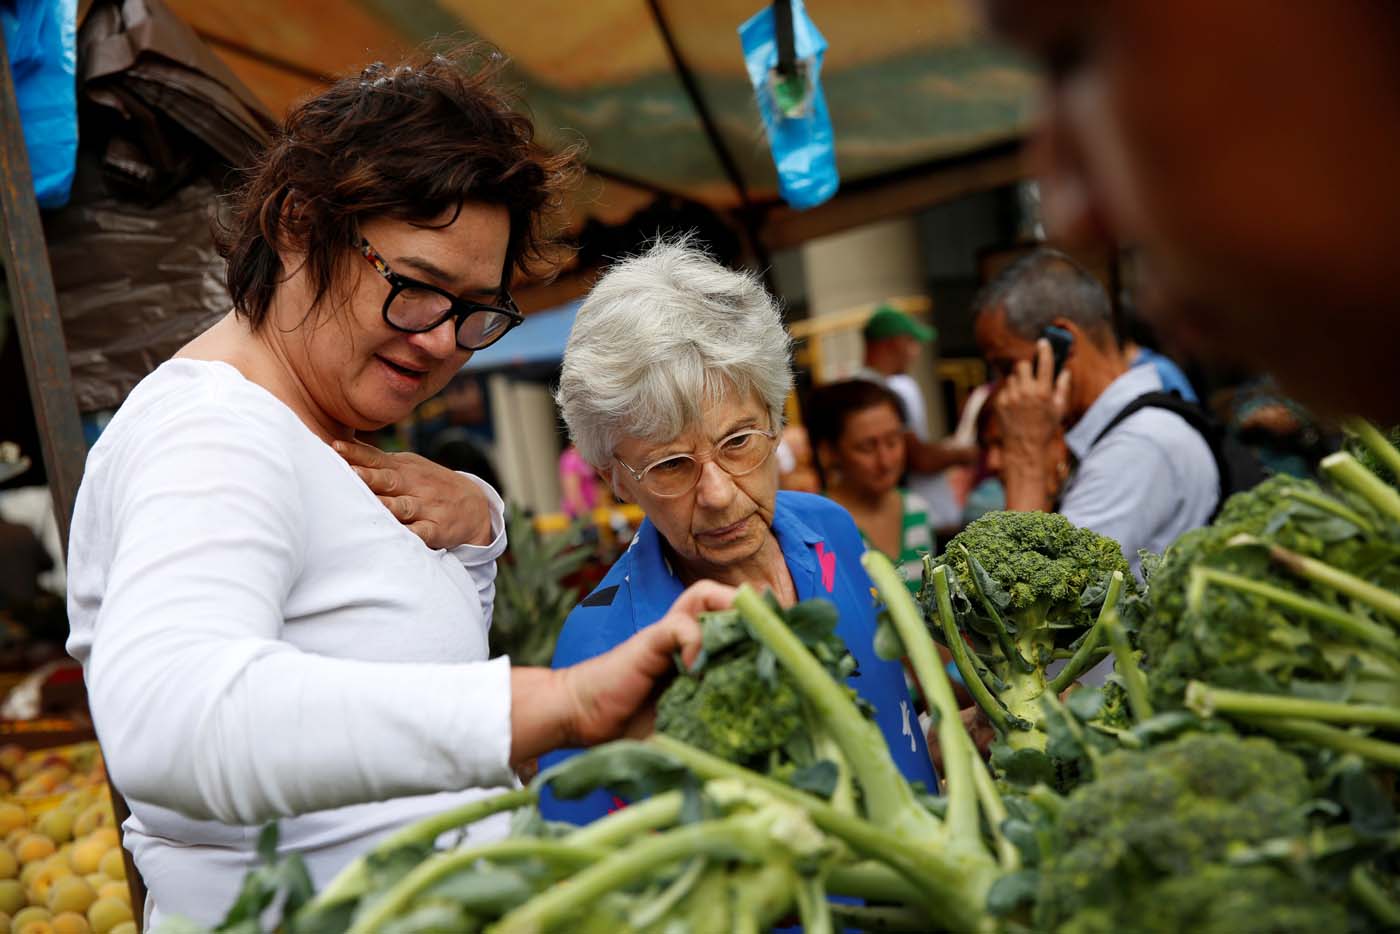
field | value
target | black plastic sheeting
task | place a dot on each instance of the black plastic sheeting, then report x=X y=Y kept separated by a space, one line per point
x=162 y=122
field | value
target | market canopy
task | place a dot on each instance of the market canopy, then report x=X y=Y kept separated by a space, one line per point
x=657 y=89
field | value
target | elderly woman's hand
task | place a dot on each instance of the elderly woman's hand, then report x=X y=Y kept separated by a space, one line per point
x=440 y=506
x=611 y=694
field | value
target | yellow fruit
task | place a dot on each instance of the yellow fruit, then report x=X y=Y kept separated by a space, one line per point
x=87 y=854
x=70 y=922
x=12 y=817
x=28 y=871
x=13 y=838
x=27 y=915
x=34 y=847
x=11 y=755
x=126 y=927
x=12 y=897
x=57 y=824
x=97 y=880
x=35 y=927
x=9 y=866
x=115 y=890
x=113 y=864
x=70 y=894
x=43 y=881
x=92 y=817
x=107 y=913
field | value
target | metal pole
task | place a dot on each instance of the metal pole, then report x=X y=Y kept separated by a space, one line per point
x=34 y=307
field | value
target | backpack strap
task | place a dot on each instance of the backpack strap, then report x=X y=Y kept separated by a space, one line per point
x=1191 y=413
x=1200 y=421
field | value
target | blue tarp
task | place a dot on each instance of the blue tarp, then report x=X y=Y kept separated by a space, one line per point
x=538 y=341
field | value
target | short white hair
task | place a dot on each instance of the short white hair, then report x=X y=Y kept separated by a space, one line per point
x=659 y=336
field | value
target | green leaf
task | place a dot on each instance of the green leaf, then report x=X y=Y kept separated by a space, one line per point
x=990 y=587
x=267 y=843
x=432 y=919
x=1371 y=810
x=887 y=642
x=819 y=778
x=1023 y=836
x=1085 y=703
x=630 y=769
x=1023 y=766
x=1012 y=891
x=485 y=889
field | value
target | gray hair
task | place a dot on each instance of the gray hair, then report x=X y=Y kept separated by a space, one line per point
x=1042 y=286
x=658 y=337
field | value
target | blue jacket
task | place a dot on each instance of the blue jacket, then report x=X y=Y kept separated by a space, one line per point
x=822 y=548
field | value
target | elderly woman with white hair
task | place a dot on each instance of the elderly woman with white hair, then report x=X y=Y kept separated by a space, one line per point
x=673 y=386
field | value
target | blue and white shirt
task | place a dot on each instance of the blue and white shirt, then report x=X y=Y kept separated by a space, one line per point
x=822 y=548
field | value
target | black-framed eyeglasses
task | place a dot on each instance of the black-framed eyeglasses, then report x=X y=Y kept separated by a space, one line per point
x=738 y=454
x=418 y=307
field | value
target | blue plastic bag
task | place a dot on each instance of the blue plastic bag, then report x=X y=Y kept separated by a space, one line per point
x=41 y=39
x=793 y=106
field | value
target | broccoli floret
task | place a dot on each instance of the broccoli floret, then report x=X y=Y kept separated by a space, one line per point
x=1022 y=586
x=1043 y=562
x=1164 y=820
x=730 y=710
x=1219 y=900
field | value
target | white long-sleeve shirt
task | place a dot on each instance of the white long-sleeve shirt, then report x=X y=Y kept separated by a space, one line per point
x=262 y=639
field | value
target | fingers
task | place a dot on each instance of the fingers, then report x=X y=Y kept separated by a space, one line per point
x=1044 y=363
x=381 y=480
x=359 y=454
x=679 y=629
x=404 y=508
x=1061 y=396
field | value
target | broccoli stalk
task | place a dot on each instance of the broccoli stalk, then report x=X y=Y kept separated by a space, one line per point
x=1349 y=473
x=1006 y=596
x=773 y=834
x=582 y=848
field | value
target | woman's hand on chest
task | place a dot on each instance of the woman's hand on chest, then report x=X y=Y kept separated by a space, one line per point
x=442 y=507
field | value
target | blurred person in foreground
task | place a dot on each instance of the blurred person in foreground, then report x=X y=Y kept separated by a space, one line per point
x=672 y=388
x=269 y=632
x=1142 y=480
x=1262 y=195
x=858 y=431
x=893 y=343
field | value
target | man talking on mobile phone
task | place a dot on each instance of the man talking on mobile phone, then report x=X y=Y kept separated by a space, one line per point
x=1137 y=463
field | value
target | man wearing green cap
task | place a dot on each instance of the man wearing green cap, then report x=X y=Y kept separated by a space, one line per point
x=893 y=343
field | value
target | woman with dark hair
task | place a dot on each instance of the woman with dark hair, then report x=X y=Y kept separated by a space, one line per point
x=268 y=631
x=857 y=430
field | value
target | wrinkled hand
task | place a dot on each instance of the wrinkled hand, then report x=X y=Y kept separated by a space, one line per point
x=440 y=506
x=1030 y=407
x=611 y=695
x=1031 y=403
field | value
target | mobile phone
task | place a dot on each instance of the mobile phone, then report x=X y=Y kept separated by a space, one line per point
x=1060 y=343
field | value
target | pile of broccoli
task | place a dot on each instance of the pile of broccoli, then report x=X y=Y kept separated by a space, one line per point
x=1283 y=614
x=769 y=788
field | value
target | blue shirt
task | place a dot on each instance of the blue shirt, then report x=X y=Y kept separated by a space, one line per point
x=1173 y=380
x=822 y=548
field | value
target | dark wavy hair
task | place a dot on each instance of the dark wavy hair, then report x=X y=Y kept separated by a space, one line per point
x=830 y=406
x=410 y=143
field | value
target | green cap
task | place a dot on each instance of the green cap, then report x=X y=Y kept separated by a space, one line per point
x=888 y=322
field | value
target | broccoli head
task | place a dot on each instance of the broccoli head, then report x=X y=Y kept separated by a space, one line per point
x=730 y=711
x=1161 y=822
x=1011 y=593
x=1203 y=625
x=1042 y=562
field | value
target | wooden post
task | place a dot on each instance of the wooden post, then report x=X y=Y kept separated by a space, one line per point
x=34 y=307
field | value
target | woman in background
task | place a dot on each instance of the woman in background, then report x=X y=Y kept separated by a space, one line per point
x=857 y=430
